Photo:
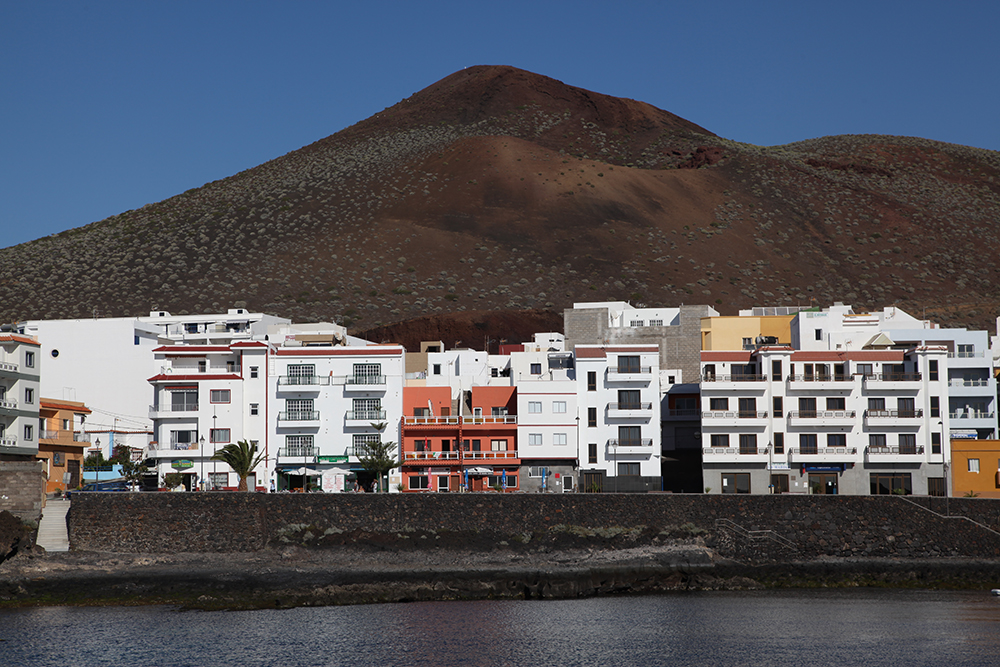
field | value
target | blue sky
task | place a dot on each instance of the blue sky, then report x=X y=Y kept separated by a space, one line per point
x=107 y=106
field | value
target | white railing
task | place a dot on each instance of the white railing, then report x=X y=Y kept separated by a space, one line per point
x=303 y=380
x=187 y=407
x=455 y=456
x=971 y=415
x=8 y=404
x=7 y=366
x=455 y=421
x=965 y=355
x=978 y=382
x=8 y=442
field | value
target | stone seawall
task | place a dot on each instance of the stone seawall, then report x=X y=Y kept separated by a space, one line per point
x=793 y=527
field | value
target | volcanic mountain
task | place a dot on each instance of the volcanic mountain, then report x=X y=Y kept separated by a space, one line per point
x=496 y=189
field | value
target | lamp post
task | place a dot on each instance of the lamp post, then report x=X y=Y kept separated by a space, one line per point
x=201 y=454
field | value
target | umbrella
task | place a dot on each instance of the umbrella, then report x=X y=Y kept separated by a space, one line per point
x=305 y=471
x=466 y=479
x=503 y=479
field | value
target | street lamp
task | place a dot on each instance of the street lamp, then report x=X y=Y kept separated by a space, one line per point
x=201 y=455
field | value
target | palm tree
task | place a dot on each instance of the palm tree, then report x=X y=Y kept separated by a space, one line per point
x=241 y=458
x=379 y=457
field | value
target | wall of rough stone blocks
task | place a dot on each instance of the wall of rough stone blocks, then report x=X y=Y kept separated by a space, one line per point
x=22 y=488
x=829 y=526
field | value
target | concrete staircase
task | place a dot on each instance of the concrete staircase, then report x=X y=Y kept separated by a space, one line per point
x=52 y=533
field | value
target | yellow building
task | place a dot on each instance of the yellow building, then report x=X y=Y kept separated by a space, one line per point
x=975 y=467
x=740 y=332
x=62 y=442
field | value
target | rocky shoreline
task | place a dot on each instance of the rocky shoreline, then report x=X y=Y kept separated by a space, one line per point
x=294 y=576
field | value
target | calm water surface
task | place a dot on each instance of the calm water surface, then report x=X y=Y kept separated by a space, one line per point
x=852 y=627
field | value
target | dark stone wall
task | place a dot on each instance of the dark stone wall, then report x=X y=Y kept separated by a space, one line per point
x=839 y=526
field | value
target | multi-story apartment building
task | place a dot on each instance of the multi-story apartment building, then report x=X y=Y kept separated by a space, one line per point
x=971 y=385
x=855 y=422
x=62 y=442
x=329 y=403
x=548 y=417
x=20 y=362
x=468 y=443
x=618 y=388
x=205 y=397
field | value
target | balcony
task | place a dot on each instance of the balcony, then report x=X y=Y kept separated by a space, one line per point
x=711 y=381
x=302 y=382
x=735 y=454
x=364 y=383
x=894 y=454
x=630 y=410
x=972 y=382
x=455 y=421
x=630 y=446
x=816 y=454
x=8 y=404
x=155 y=446
x=889 y=381
x=430 y=458
x=298 y=454
x=966 y=355
x=9 y=367
x=165 y=411
x=636 y=374
x=681 y=413
x=81 y=437
x=7 y=441
x=964 y=418
x=818 y=381
x=299 y=416
x=822 y=417
x=733 y=417
x=891 y=417
x=365 y=416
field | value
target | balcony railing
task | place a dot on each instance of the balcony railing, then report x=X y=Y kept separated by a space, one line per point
x=175 y=446
x=636 y=370
x=819 y=377
x=896 y=449
x=488 y=455
x=823 y=451
x=966 y=355
x=737 y=377
x=971 y=415
x=303 y=380
x=455 y=421
x=632 y=442
x=7 y=441
x=630 y=406
x=363 y=415
x=894 y=414
x=822 y=414
x=977 y=382
x=7 y=366
x=364 y=379
x=892 y=377
x=298 y=416
x=8 y=404
x=734 y=414
x=682 y=413
x=49 y=434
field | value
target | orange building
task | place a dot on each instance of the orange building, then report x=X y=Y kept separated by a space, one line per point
x=469 y=444
x=975 y=467
x=62 y=442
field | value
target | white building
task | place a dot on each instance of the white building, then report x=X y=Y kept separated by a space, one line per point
x=20 y=365
x=852 y=422
x=619 y=398
x=327 y=402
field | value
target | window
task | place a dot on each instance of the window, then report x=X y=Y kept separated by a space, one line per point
x=636 y=323
x=936 y=444
x=183 y=400
x=591 y=417
x=736 y=482
x=629 y=436
x=656 y=323
x=367 y=373
x=191 y=328
x=435 y=370
x=807 y=443
x=559 y=439
x=836 y=440
x=965 y=351
x=301 y=373
x=135 y=341
x=708 y=372
x=973 y=463
x=535 y=407
x=592 y=452
x=865 y=370
x=819 y=334
x=536 y=369
x=779 y=483
x=907 y=443
x=534 y=438
x=536 y=471
x=807 y=407
x=776 y=370
x=628 y=469
x=932 y=369
x=720 y=439
x=891 y=483
x=218 y=480
x=28 y=432
x=779 y=443
x=718 y=403
x=29 y=359
x=219 y=435
x=362 y=441
x=748 y=443
x=202 y=366
x=876 y=441
x=219 y=396
x=906 y=407
x=748 y=343
x=935 y=406
x=366 y=408
x=777 y=404
x=591 y=380
x=419 y=482
x=477 y=412
x=254 y=409
x=253 y=372
x=559 y=407
x=670 y=380
x=29 y=395
x=498 y=411
x=498 y=445
x=748 y=407
x=629 y=399
x=935 y=486
x=628 y=364
x=836 y=403
x=65 y=425
x=876 y=405
x=498 y=480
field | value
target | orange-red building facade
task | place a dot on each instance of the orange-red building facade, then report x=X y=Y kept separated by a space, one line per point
x=61 y=442
x=444 y=450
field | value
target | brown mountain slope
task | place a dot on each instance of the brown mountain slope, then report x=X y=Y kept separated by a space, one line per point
x=498 y=189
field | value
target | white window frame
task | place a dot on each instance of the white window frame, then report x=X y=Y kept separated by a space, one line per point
x=535 y=407
x=214 y=435
x=534 y=439
x=217 y=396
x=559 y=407
x=559 y=439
